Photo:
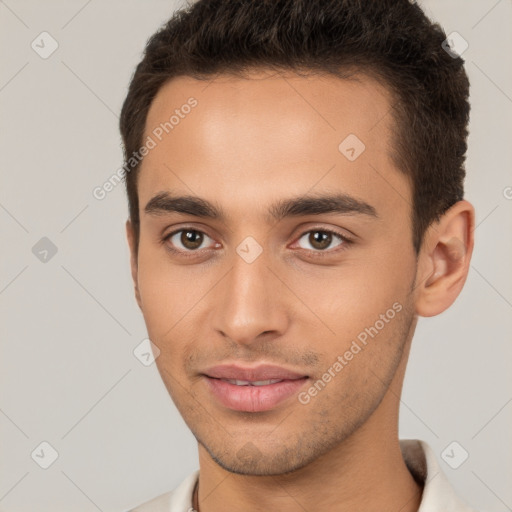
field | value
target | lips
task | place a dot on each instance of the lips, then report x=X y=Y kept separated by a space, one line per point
x=258 y=373
x=252 y=389
x=253 y=383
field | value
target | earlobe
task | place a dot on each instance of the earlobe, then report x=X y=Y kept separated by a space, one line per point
x=444 y=260
x=130 y=235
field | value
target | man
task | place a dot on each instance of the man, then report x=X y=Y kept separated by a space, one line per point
x=295 y=174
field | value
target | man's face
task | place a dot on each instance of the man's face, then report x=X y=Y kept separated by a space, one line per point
x=300 y=291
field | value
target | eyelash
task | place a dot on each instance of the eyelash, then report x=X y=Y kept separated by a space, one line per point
x=192 y=253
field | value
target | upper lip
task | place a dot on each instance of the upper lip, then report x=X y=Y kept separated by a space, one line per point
x=254 y=374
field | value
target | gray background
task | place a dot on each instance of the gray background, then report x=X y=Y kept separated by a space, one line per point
x=69 y=325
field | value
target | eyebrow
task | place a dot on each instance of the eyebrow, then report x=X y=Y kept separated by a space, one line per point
x=164 y=203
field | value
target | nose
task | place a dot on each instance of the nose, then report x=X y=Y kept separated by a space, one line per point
x=250 y=306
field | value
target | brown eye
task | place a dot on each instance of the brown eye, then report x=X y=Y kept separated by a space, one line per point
x=191 y=239
x=187 y=239
x=319 y=240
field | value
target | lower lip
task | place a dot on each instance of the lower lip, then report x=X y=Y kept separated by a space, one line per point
x=253 y=398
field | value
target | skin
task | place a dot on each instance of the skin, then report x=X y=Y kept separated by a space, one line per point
x=249 y=143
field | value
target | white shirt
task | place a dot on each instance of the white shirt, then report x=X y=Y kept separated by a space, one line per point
x=438 y=494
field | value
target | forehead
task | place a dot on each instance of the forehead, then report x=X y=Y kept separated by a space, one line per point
x=319 y=103
x=269 y=133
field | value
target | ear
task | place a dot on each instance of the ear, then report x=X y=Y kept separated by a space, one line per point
x=443 y=262
x=130 y=235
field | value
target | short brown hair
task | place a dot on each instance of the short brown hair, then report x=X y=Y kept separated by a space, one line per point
x=392 y=40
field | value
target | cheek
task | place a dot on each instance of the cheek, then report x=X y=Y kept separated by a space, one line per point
x=360 y=314
x=172 y=298
x=156 y=303
x=344 y=301
x=166 y=290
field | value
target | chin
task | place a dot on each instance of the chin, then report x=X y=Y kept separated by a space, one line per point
x=274 y=459
x=259 y=466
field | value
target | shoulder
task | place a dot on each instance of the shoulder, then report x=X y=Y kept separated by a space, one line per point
x=438 y=492
x=178 y=500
